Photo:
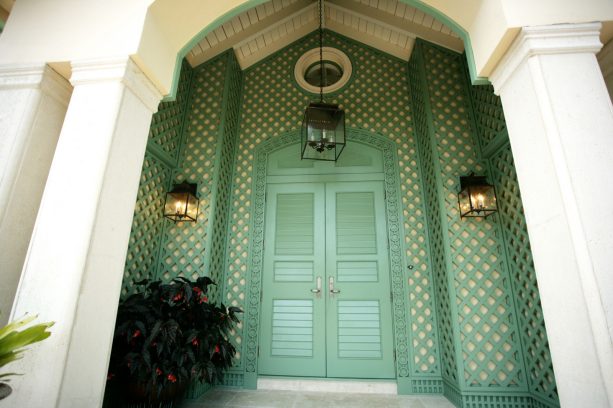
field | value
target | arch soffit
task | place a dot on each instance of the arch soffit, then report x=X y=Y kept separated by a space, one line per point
x=210 y=22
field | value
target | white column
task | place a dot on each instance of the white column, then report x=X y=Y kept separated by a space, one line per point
x=560 y=123
x=33 y=102
x=74 y=267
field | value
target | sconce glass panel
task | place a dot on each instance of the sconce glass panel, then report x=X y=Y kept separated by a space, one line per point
x=477 y=198
x=323 y=132
x=182 y=203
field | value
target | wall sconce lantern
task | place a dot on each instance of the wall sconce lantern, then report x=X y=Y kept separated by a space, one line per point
x=322 y=134
x=182 y=203
x=476 y=198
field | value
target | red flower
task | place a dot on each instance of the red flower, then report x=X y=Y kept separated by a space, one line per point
x=172 y=378
x=217 y=349
x=197 y=290
x=136 y=334
x=158 y=371
x=195 y=341
x=203 y=299
x=178 y=297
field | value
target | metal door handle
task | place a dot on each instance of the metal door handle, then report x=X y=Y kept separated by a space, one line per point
x=331 y=286
x=318 y=288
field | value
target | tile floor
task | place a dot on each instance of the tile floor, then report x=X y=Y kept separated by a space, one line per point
x=237 y=398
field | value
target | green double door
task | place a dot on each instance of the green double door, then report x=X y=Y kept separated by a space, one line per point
x=326 y=307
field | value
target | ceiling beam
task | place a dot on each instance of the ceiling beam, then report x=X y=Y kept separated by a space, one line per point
x=398 y=23
x=198 y=55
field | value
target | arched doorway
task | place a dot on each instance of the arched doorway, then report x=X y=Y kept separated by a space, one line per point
x=366 y=177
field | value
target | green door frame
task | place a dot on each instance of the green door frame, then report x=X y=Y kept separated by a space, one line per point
x=398 y=264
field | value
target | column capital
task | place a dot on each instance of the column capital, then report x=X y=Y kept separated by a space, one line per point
x=546 y=40
x=122 y=70
x=35 y=76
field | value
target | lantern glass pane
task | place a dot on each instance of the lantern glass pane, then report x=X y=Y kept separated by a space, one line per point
x=192 y=207
x=175 y=207
x=464 y=202
x=483 y=198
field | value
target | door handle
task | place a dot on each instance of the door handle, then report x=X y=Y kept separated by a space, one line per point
x=331 y=286
x=318 y=288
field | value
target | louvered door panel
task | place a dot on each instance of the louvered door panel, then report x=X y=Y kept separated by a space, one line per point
x=359 y=326
x=293 y=318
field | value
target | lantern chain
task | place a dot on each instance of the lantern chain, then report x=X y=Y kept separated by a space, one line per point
x=321 y=51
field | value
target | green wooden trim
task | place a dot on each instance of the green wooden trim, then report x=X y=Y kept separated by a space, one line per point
x=426 y=220
x=315 y=178
x=501 y=140
x=397 y=260
x=217 y=165
x=2 y=24
x=443 y=215
x=470 y=57
x=188 y=103
x=155 y=150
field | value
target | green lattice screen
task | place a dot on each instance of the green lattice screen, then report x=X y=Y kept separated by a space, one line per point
x=375 y=100
x=488 y=114
x=534 y=336
x=184 y=246
x=147 y=224
x=161 y=157
x=167 y=122
x=422 y=120
x=491 y=126
x=491 y=355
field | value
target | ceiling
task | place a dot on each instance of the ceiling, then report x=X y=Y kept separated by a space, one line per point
x=387 y=25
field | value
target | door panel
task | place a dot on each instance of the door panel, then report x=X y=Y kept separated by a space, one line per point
x=292 y=325
x=328 y=231
x=358 y=318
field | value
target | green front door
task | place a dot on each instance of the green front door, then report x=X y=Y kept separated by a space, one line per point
x=326 y=295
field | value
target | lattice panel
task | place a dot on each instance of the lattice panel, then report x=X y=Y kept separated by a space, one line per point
x=167 y=122
x=184 y=251
x=147 y=224
x=488 y=113
x=436 y=242
x=534 y=337
x=376 y=100
x=491 y=354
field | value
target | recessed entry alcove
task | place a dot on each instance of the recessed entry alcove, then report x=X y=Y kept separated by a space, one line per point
x=432 y=302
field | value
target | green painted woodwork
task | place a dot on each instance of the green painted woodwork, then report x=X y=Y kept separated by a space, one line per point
x=293 y=330
x=479 y=284
x=358 y=321
x=312 y=232
x=465 y=312
x=376 y=102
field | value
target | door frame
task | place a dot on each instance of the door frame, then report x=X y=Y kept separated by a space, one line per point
x=393 y=210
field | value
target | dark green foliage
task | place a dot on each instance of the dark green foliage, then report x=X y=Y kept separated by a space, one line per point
x=170 y=333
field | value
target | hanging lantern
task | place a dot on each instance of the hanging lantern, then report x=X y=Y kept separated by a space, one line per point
x=182 y=203
x=323 y=127
x=323 y=132
x=476 y=198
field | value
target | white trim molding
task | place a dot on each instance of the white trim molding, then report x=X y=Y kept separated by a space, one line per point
x=543 y=40
x=121 y=69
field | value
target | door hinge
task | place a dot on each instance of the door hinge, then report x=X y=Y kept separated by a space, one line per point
x=259 y=352
x=261 y=295
x=394 y=355
x=391 y=296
